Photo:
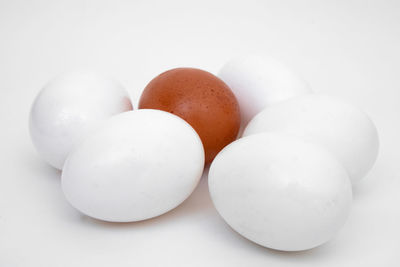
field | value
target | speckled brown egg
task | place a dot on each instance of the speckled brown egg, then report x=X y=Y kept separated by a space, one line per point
x=200 y=98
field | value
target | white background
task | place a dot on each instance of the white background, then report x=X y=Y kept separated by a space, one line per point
x=349 y=49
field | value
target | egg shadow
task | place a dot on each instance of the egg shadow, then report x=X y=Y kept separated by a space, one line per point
x=38 y=166
x=227 y=236
x=370 y=183
x=199 y=202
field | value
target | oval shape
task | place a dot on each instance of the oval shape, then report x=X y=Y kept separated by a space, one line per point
x=138 y=165
x=201 y=99
x=68 y=108
x=279 y=191
x=342 y=128
x=259 y=81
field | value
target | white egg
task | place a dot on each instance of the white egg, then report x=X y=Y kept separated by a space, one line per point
x=69 y=107
x=342 y=128
x=280 y=191
x=138 y=165
x=258 y=82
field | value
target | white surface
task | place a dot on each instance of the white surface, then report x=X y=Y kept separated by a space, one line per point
x=138 y=165
x=259 y=81
x=329 y=121
x=280 y=191
x=69 y=107
x=344 y=48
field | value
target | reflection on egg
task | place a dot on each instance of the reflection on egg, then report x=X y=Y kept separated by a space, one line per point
x=258 y=82
x=69 y=107
x=138 y=165
x=280 y=191
x=342 y=128
x=200 y=98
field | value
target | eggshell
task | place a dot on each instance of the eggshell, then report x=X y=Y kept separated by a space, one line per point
x=69 y=107
x=342 y=128
x=280 y=191
x=200 y=98
x=259 y=81
x=138 y=165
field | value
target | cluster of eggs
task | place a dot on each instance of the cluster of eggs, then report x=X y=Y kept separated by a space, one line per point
x=285 y=184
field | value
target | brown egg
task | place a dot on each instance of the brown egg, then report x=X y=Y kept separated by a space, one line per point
x=200 y=98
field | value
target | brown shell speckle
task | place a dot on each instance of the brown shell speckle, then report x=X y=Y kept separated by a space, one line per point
x=200 y=98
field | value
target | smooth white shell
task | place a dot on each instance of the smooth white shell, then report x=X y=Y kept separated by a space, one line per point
x=258 y=82
x=68 y=108
x=342 y=128
x=280 y=191
x=138 y=165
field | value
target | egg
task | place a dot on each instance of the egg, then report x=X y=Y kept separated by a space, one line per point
x=200 y=98
x=280 y=192
x=259 y=81
x=69 y=107
x=137 y=165
x=340 y=127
